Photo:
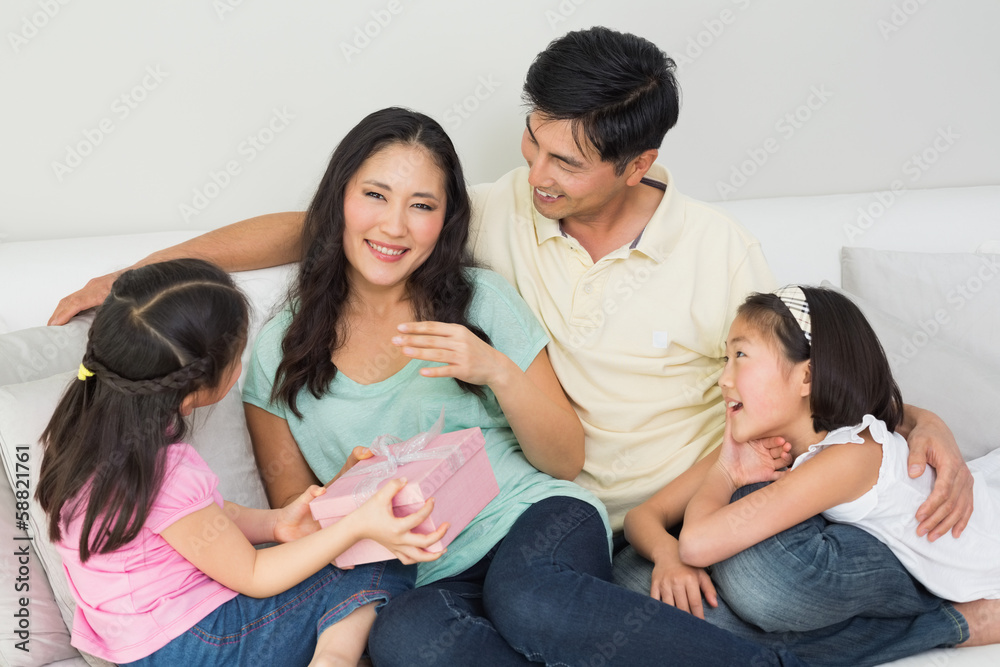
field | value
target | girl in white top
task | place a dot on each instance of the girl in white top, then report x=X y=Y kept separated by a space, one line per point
x=804 y=365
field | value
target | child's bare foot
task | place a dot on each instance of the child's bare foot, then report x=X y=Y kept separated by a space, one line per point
x=983 y=617
x=343 y=643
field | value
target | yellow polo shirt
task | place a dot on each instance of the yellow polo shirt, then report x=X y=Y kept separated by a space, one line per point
x=637 y=337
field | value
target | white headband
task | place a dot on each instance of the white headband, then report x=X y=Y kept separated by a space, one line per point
x=795 y=299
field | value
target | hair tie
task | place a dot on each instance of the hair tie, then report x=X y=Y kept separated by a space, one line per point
x=795 y=300
x=83 y=373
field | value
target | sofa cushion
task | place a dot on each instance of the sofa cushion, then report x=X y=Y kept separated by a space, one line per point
x=802 y=236
x=940 y=344
x=954 y=297
x=37 y=353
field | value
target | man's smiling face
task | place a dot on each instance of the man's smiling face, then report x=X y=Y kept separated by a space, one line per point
x=568 y=180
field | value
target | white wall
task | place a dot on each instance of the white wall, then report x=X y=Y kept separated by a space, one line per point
x=887 y=80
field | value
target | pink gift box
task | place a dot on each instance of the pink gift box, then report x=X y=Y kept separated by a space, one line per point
x=454 y=470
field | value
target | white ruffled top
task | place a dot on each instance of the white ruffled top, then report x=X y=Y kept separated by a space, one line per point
x=959 y=570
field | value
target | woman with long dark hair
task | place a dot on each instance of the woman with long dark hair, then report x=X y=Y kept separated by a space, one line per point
x=389 y=323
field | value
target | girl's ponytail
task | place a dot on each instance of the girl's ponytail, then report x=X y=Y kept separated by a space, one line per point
x=851 y=376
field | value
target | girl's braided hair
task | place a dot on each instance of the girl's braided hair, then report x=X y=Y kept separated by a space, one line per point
x=165 y=331
x=179 y=379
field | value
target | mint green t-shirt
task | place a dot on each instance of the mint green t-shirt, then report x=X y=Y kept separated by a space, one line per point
x=352 y=414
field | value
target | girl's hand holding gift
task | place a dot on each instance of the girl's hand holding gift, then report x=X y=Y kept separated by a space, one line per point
x=295 y=520
x=375 y=520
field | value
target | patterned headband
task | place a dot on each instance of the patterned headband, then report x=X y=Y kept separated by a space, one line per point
x=795 y=299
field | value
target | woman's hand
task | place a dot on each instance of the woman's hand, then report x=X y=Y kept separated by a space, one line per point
x=754 y=461
x=295 y=520
x=544 y=423
x=467 y=357
x=377 y=522
x=357 y=454
x=682 y=586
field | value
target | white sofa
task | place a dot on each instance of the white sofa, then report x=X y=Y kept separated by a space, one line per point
x=937 y=314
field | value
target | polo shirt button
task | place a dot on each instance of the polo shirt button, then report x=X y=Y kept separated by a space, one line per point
x=588 y=288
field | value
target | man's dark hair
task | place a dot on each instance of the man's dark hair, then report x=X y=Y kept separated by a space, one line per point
x=617 y=89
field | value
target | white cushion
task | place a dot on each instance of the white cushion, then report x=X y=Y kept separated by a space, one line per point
x=942 y=378
x=33 y=354
x=954 y=297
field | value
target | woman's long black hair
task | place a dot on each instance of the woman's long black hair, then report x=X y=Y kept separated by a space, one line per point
x=165 y=331
x=439 y=289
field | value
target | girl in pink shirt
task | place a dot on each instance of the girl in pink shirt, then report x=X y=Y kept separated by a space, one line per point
x=163 y=570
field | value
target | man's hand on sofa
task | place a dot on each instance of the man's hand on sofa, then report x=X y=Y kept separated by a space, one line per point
x=92 y=295
x=931 y=442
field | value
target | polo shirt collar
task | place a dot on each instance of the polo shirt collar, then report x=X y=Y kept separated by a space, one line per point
x=658 y=236
x=661 y=233
x=545 y=228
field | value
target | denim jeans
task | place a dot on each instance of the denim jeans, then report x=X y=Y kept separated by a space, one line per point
x=282 y=630
x=543 y=594
x=831 y=593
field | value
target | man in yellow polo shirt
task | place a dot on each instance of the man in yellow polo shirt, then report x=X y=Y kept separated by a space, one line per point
x=637 y=333
x=635 y=283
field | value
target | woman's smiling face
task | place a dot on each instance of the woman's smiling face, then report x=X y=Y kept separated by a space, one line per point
x=394 y=211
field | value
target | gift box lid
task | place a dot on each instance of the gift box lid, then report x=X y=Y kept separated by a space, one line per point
x=426 y=468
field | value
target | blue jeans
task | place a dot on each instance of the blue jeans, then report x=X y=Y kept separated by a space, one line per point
x=543 y=594
x=831 y=593
x=282 y=630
